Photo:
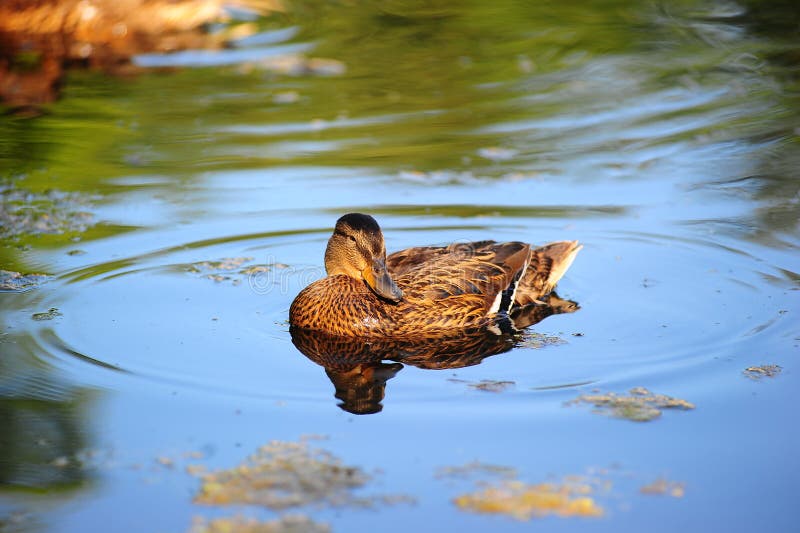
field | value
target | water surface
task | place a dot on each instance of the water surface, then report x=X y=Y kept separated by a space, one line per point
x=664 y=137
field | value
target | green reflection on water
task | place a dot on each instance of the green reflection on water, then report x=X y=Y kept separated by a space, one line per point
x=432 y=77
x=43 y=420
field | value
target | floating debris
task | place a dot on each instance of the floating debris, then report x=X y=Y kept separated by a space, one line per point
x=662 y=486
x=640 y=406
x=226 y=263
x=16 y=520
x=165 y=461
x=464 y=177
x=50 y=314
x=217 y=277
x=762 y=371
x=524 y=501
x=647 y=283
x=289 y=474
x=286 y=97
x=225 y=269
x=570 y=496
x=193 y=454
x=238 y=524
x=61 y=462
x=298 y=65
x=490 y=385
x=495 y=153
x=53 y=212
x=476 y=468
x=525 y=65
x=231 y=269
x=440 y=177
x=255 y=269
x=532 y=339
x=196 y=470
x=16 y=282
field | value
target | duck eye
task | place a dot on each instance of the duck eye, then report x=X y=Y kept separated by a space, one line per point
x=353 y=239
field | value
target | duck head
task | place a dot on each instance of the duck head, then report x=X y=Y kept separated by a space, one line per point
x=356 y=249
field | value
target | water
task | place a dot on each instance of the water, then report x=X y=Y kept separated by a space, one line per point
x=662 y=136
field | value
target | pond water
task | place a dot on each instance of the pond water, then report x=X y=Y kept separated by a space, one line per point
x=663 y=136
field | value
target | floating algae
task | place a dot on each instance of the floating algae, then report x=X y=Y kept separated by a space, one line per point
x=50 y=314
x=219 y=271
x=534 y=340
x=663 y=486
x=490 y=385
x=285 y=524
x=16 y=282
x=232 y=269
x=524 y=501
x=17 y=520
x=289 y=474
x=495 y=153
x=476 y=468
x=762 y=371
x=640 y=406
x=298 y=65
x=226 y=264
x=499 y=491
x=53 y=212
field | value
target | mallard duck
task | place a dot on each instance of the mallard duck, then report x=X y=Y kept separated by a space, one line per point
x=423 y=292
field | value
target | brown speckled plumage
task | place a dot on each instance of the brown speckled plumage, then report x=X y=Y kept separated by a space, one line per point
x=423 y=291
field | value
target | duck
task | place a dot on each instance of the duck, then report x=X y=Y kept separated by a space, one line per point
x=424 y=292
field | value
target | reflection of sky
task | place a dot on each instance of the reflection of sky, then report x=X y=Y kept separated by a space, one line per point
x=218 y=58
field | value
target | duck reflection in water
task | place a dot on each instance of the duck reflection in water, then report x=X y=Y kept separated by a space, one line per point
x=357 y=366
x=429 y=306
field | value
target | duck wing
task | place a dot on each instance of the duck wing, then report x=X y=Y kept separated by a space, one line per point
x=482 y=275
x=401 y=262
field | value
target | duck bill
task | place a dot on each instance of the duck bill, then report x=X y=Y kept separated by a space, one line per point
x=379 y=280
